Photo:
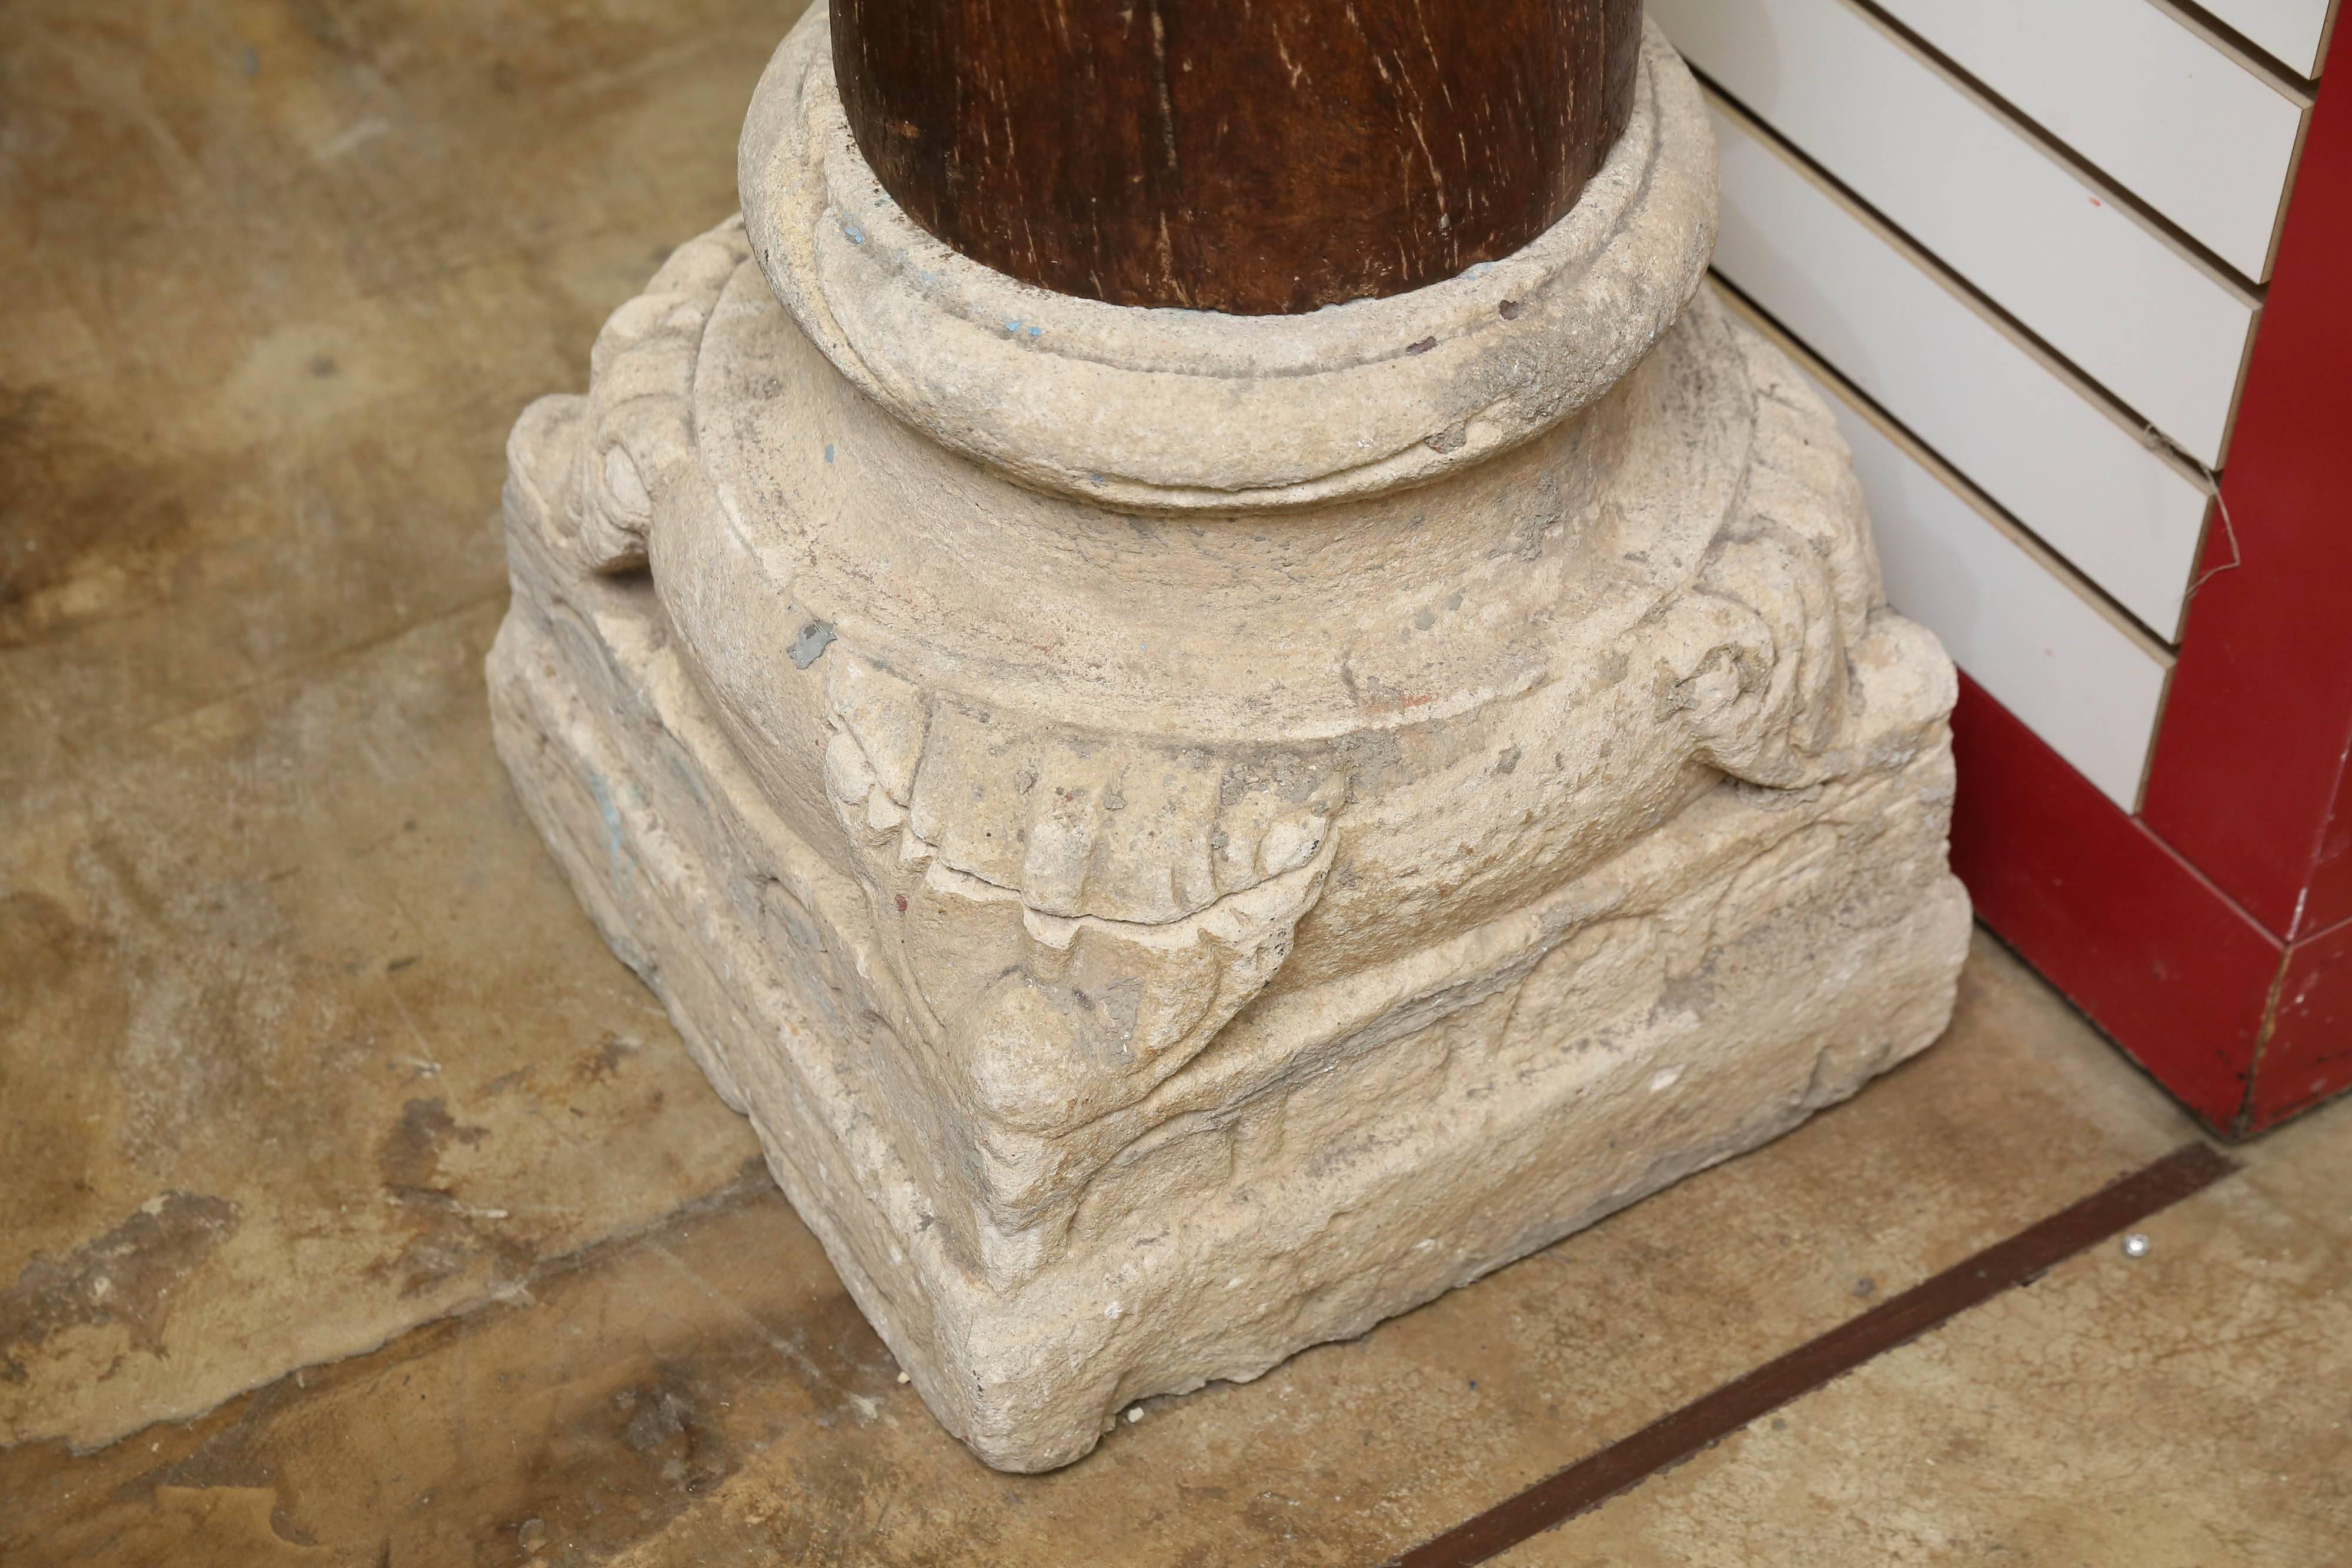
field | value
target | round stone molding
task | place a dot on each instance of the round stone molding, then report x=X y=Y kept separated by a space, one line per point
x=1175 y=411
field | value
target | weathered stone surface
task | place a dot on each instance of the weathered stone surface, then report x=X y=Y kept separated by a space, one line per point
x=1162 y=916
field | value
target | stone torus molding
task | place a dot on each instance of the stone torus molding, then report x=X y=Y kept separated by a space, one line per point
x=1190 y=834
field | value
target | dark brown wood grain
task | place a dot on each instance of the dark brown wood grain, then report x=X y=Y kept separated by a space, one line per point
x=1251 y=156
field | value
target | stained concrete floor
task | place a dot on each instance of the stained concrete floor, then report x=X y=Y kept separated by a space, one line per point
x=357 y=1208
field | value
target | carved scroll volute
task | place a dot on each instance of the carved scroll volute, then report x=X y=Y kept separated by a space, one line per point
x=1763 y=678
x=635 y=436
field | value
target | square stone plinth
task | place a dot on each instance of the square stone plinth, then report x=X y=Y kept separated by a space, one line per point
x=1760 y=956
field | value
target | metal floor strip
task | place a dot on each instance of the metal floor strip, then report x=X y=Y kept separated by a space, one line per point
x=1671 y=1439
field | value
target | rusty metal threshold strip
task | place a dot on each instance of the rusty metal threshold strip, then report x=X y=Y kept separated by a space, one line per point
x=1668 y=1441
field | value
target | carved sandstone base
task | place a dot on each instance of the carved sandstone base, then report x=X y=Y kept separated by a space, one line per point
x=1187 y=835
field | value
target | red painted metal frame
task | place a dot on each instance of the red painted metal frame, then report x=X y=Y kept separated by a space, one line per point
x=2308 y=1055
x=2211 y=935
x=2249 y=767
x=2156 y=955
x=2245 y=1029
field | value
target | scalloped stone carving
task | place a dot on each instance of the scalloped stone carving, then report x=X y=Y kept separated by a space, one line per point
x=1163 y=915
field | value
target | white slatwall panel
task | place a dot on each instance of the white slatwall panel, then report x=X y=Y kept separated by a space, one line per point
x=2293 y=30
x=2134 y=312
x=2045 y=653
x=2126 y=517
x=2083 y=682
x=2190 y=130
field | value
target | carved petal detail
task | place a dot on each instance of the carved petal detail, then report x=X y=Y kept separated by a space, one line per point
x=1077 y=824
x=1079 y=915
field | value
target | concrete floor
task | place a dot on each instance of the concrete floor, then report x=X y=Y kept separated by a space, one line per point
x=357 y=1208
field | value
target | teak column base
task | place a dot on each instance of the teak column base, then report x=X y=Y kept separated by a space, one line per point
x=1189 y=835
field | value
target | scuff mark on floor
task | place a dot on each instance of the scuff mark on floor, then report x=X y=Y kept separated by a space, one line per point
x=126 y=1276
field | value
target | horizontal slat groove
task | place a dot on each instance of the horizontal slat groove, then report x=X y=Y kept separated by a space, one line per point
x=2193 y=142
x=1990 y=510
x=2240 y=47
x=2051 y=448
x=2068 y=660
x=2162 y=330
x=2117 y=407
x=2294 y=33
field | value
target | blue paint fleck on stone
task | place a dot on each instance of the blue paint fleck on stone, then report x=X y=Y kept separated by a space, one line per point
x=856 y=236
x=828 y=452
x=619 y=861
x=814 y=639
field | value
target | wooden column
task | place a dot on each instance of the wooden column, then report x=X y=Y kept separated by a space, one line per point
x=1251 y=156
